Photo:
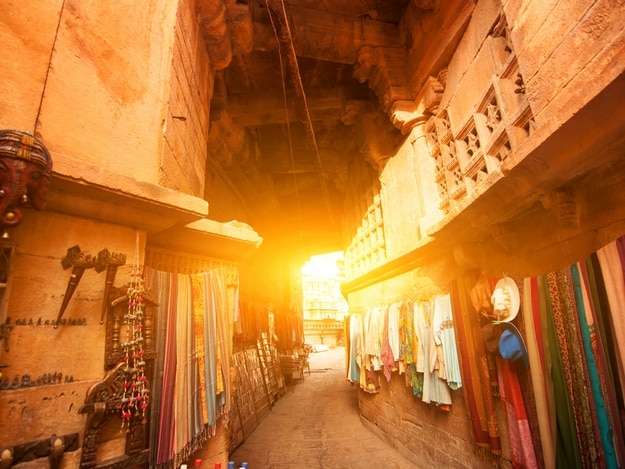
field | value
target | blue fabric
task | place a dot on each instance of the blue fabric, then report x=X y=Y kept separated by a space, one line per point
x=595 y=383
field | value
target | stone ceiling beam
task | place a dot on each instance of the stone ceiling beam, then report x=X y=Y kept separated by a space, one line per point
x=251 y=110
x=328 y=36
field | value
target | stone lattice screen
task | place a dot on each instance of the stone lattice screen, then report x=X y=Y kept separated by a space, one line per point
x=465 y=154
x=368 y=247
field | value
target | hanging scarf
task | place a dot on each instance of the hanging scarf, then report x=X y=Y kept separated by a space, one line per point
x=158 y=282
x=573 y=358
x=567 y=446
x=614 y=281
x=412 y=349
x=220 y=288
x=388 y=359
x=445 y=338
x=542 y=387
x=521 y=444
x=355 y=321
x=210 y=334
x=606 y=349
x=403 y=331
x=476 y=379
x=199 y=387
x=183 y=354
x=167 y=421
x=589 y=340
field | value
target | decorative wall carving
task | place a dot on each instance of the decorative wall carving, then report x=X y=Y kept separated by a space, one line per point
x=118 y=306
x=79 y=262
x=368 y=247
x=103 y=402
x=467 y=154
x=25 y=167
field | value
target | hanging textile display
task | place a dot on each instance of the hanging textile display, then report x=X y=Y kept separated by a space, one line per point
x=478 y=392
x=387 y=340
x=539 y=364
x=611 y=267
x=558 y=362
x=432 y=386
x=195 y=379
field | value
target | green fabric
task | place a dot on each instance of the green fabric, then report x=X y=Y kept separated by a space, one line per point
x=567 y=449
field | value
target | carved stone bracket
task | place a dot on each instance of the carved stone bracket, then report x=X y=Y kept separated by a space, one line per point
x=565 y=206
x=226 y=29
x=407 y=114
x=384 y=69
x=505 y=235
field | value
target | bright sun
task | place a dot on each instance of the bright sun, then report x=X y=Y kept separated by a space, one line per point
x=324 y=264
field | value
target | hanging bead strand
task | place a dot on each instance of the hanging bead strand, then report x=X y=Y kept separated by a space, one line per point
x=135 y=391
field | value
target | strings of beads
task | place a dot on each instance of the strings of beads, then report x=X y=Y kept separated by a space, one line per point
x=135 y=391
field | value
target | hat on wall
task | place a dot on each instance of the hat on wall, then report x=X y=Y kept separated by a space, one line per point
x=506 y=300
x=511 y=344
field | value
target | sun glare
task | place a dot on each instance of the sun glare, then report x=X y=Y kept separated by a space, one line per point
x=324 y=264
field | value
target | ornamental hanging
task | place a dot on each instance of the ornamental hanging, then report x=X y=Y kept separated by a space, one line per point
x=135 y=392
x=25 y=167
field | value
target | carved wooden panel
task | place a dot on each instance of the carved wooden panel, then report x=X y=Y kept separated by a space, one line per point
x=118 y=307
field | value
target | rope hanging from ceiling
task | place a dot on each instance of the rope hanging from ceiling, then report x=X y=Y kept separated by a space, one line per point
x=282 y=31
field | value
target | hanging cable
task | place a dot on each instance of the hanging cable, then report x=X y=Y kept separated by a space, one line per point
x=285 y=40
x=288 y=124
x=45 y=81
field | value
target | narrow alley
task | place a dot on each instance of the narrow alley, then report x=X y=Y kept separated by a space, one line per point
x=317 y=425
x=169 y=168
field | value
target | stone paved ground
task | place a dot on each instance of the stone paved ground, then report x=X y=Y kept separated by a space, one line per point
x=318 y=426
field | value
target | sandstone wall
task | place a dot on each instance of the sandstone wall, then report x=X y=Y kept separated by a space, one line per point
x=186 y=123
x=550 y=69
x=119 y=95
x=37 y=349
x=104 y=98
x=422 y=432
x=117 y=87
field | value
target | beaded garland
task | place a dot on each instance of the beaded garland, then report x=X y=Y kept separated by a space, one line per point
x=135 y=393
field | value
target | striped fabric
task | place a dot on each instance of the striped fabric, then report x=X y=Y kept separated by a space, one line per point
x=193 y=353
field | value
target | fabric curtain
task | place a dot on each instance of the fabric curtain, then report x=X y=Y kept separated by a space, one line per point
x=194 y=316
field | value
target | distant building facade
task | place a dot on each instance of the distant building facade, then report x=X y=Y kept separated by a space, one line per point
x=324 y=309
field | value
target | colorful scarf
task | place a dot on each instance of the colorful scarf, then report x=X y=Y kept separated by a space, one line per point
x=195 y=354
x=541 y=385
x=589 y=340
x=569 y=338
x=521 y=443
x=475 y=375
x=607 y=353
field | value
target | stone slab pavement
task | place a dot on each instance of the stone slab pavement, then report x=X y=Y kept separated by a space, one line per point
x=317 y=425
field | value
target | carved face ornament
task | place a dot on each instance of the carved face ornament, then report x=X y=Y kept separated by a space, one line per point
x=25 y=167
